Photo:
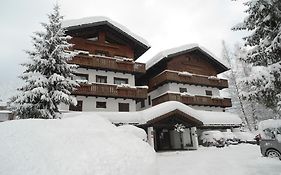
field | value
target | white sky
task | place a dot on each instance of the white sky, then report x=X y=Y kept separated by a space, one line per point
x=163 y=23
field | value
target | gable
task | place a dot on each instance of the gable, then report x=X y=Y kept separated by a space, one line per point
x=118 y=34
x=173 y=117
x=194 y=62
x=160 y=60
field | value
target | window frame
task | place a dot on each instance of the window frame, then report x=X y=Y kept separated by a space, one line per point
x=209 y=92
x=122 y=109
x=101 y=77
x=120 y=79
x=78 y=107
x=181 y=88
x=81 y=75
x=101 y=104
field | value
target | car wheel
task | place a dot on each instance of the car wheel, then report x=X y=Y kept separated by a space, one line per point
x=273 y=154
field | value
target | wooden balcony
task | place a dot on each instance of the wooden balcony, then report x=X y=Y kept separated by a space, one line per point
x=193 y=100
x=173 y=76
x=109 y=90
x=104 y=63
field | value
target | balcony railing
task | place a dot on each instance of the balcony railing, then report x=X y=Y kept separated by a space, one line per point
x=173 y=76
x=193 y=100
x=100 y=62
x=109 y=90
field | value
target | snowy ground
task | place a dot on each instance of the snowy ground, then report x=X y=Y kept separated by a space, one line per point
x=241 y=159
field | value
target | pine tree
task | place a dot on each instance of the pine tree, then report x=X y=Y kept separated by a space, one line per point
x=250 y=111
x=264 y=21
x=48 y=75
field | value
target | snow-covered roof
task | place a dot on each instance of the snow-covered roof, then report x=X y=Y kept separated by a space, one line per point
x=212 y=118
x=179 y=50
x=208 y=118
x=97 y=20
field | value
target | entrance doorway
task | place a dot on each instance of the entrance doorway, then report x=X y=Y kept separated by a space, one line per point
x=169 y=139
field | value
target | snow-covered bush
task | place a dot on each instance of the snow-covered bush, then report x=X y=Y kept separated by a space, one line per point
x=212 y=138
x=78 y=145
x=246 y=137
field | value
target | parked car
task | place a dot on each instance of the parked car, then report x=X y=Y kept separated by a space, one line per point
x=270 y=138
x=212 y=138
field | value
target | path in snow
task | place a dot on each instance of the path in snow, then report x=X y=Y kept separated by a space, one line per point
x=233 y=160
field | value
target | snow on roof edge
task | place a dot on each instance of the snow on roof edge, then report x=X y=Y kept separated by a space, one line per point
x=208 y=118
x=96 y=19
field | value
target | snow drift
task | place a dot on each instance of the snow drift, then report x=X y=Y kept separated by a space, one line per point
x=80 y=145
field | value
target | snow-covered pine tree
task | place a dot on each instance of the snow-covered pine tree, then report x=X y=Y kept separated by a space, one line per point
x=264 y=21
x=48 y=75
x=250 y=111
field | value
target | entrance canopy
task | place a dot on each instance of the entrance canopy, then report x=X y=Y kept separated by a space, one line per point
x=173 y=110
x=170 y=119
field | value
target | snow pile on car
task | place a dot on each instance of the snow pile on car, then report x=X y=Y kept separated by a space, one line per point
x=80 y=145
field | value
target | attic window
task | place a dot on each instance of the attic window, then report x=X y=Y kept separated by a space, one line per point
x=101 y=53
x=96 y=38
x=209 y=93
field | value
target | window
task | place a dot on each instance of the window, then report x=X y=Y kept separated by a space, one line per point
x=100 y=104
x=101 y=53
x=123 y=107
x=81 y=77
x=120 y=81
x=209 y=93
x=182 y=90
x=101 y=79
x=149 y=100
x=78 y=107
x=142 y=103
x=95 y=38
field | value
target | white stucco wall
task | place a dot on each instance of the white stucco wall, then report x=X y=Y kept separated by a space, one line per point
x=192 y=89
x=89 y=104
x=110 y=75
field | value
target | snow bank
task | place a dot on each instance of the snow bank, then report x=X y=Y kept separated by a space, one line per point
x=81 y=145
x=138 y=132
x=99 y=19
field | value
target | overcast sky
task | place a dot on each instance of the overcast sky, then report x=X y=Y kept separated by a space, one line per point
x=163 y=23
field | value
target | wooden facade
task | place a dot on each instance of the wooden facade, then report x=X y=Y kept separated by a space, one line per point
x=174 y=76
x=193 y=100
x=194 y=62
x=110 y=49
x=103 y=46
x=108 y=90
